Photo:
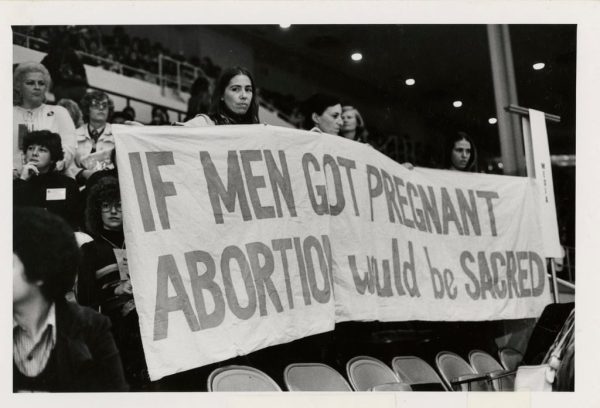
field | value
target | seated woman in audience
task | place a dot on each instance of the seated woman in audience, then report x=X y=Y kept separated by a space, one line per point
x=39 y=184
x=199 y=101
x=71 y=106
x=94 y=138
x=159 y=116
x=323 y=113
x=58 y=346
x=353 y=126
x=461 y=154
x=104 y=281
x=234 y=101
x=31 y=81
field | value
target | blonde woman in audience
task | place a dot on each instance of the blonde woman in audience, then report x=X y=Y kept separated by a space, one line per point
x=353 y=126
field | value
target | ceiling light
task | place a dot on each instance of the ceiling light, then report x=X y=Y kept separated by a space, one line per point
x=457 y=104
x=284 y=26
x=538 y=65
x=492 y=121
x=410 y=82
x=357 y=56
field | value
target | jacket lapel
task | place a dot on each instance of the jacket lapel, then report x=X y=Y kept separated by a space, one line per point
x=71 y=351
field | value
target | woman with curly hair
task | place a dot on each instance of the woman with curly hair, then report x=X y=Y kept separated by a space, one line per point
x=234 y=101
x=104 y=282
x=40 y=185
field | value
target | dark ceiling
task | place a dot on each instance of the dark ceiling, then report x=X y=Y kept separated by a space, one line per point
x=448 y=62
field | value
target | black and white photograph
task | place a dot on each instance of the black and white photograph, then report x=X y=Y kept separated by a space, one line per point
x=346 y=203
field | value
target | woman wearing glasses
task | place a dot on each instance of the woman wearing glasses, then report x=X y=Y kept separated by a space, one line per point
x=31 y=81
x=94 y=138
x=104 y=283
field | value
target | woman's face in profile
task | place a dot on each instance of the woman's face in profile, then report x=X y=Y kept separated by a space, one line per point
x=461 y=154
x=349 y=119
x=330 y=121
x=238 y=94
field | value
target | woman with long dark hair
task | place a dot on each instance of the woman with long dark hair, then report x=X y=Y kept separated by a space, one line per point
x=461 y=154
x=234 y=101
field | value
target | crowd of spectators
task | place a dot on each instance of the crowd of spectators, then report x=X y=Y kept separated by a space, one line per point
x=119 y=52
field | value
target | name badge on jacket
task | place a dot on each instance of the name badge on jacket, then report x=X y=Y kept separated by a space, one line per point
x=56 y=194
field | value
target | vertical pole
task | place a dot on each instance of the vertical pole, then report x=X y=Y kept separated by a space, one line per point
x=528 y=147
x=554 y=284
x=160 y=74
x=179 y=77
x=568 y=258
x=505 y=92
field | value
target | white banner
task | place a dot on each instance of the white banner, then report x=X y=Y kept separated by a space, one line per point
x=236 y=234
x=534 y=127
x=428 y=244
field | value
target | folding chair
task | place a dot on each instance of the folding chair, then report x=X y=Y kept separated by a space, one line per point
x=240 y=378
x=314 y=377
x=458 y=374
x=510 y=358
x=392 y=387
x=418 y=374
x=483 y=363
x=365 y=373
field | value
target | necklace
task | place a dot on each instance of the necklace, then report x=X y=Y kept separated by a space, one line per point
x=112 y=243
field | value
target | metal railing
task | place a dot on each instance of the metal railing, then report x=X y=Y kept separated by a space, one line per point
x=180 y=114
x=27 y=40
x=183 y=74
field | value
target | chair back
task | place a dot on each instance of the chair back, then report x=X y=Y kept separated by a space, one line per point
x=510 y=358
x=314 y=377
x=240 y=378
x=366 y=372
x=415 y=371
x=483 y=363
x=451 y=366
x=392 y=387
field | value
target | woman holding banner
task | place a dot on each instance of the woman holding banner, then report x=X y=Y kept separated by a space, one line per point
x=323 y=113
x=461 y=154
x=233 y=102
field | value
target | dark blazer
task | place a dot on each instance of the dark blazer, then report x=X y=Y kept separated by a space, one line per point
x=33 y=193
x=87 y=358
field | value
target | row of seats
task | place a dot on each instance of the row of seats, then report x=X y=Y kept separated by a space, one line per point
x=364 y=373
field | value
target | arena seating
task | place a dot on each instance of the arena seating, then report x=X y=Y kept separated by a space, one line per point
x=366 y=372
x=314 y=377
x=240 y=378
